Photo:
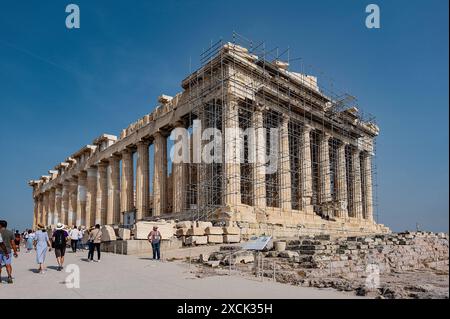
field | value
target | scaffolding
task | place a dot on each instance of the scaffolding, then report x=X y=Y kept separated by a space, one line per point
x=281 y=94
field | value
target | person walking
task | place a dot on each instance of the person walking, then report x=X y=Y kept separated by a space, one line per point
x=74 y=238
x=10 y=246
x=41 y=243
x=154 y=237
x=80 y=238
x=25 y=237
x=17 y=239
x=30 y=239
x=59 y=241
x=95 y=239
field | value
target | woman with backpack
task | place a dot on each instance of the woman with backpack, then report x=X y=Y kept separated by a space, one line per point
x=59 y=240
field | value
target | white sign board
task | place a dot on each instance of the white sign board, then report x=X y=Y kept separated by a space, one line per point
x=257 y=244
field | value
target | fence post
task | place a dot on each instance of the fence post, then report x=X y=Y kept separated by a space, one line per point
x=262 y=267
x=274 y=276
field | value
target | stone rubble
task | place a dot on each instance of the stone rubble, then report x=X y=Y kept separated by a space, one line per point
x=410 y=264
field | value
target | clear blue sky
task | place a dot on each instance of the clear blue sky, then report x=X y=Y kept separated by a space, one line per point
x=61 y=88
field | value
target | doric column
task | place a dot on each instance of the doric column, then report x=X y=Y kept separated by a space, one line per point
x=36 y=211
x=368 y=195
x=232 y=153
x=46 y=208
x=51 y=206
x=306 y=168
x=73 y=198
x=160 y=175
x=40 y=208
x=341 y=182
x=91 y=196
x=259 y=167
x=179 y=177
x=102 y=194
x=142 y=180
x=113 y=215
x=81 y=199
x=285 y=165
x=58 y=204
x=356 y=185
x=127 y=184
x=324 y=174
x=65 y=203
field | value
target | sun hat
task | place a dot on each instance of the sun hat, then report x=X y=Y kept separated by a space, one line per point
x=59 y=226
x=40 y=226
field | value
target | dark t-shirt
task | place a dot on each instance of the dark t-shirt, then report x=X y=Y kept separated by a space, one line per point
x=64 y=234
x=7 y=236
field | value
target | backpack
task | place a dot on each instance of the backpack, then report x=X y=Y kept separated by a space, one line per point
x=60 y=239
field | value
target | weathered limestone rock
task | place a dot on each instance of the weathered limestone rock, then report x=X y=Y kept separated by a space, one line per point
x=231 y=239
x=215 y=239
x=214 y=263
x=124 y=233
x=204 y=224
x=142 y=229
x=197 y=240
x=182 y=231
x=288 y=254
x=108 y=233
x=204 y=258
x=213 y=230
x=195 y=231
x=184 y=224
x=229 y=230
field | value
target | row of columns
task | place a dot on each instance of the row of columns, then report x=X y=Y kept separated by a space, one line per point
x=359 y=205
x=101 y=193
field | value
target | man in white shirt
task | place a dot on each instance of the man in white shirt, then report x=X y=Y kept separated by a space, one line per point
x=74 y=235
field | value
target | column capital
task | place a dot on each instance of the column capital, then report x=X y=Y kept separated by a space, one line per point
x=127 y=152
x=325 y=135
x=343 y=143
x=114 y=158
x=66 y=183
x=259 y=107
x=366 y=154
x=355 y=150
x=142 y=143
x=232 y=98
x=307 y=127
x=82 y=174
x=180 y=124
x=285 y=118
x=102 y=165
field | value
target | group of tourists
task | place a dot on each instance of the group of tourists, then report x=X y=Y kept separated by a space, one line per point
x=43 y=240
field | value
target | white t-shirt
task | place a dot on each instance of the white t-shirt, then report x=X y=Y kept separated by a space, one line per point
x=74 y=234
x=1 y=239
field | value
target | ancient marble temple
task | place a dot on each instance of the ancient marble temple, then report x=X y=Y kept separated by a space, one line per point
x=322 y=181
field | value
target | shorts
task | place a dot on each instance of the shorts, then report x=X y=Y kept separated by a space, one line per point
x=60 y=251
x=5 y=261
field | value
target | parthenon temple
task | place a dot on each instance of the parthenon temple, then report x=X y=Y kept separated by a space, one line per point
x=323 y=180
